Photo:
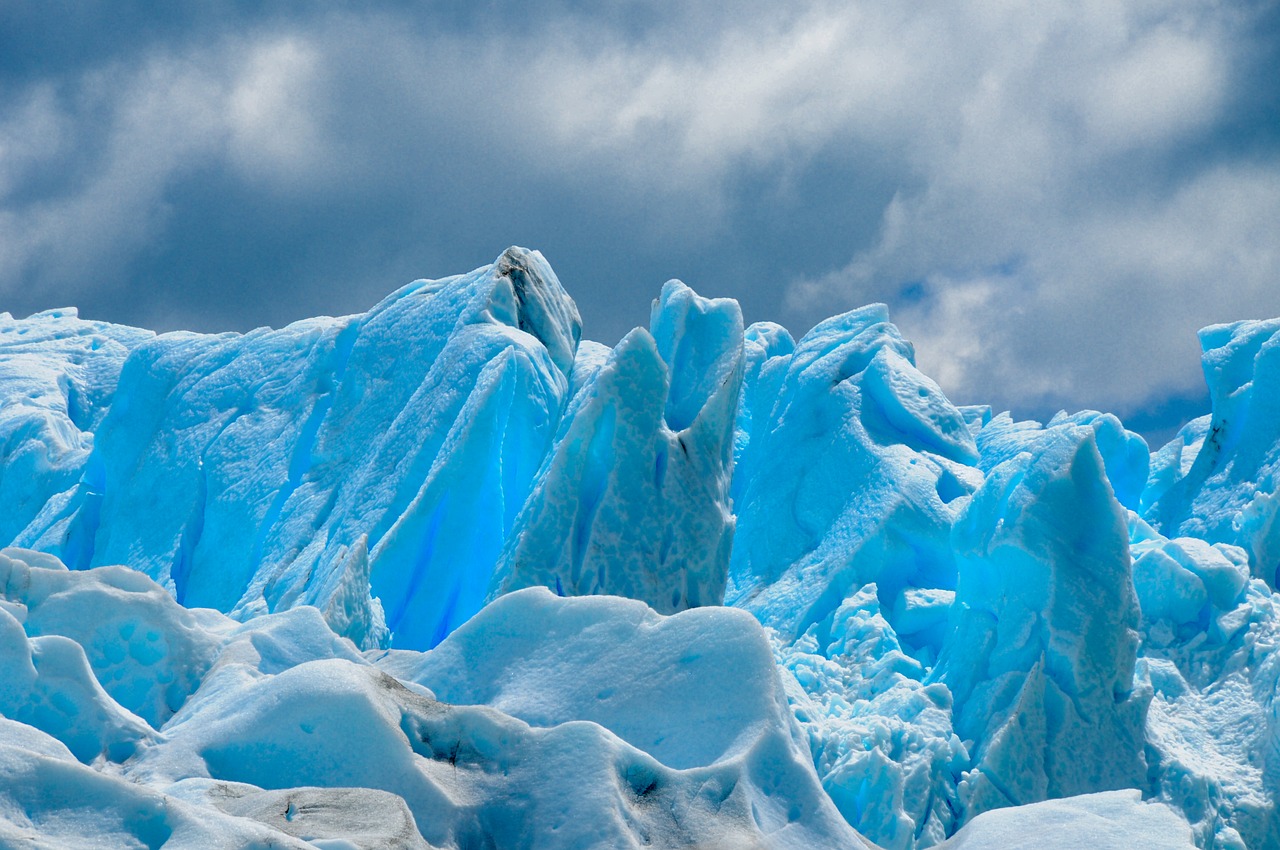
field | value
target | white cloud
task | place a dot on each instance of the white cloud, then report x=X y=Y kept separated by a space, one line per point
x=34 y=131
x=1104 y=309
x=270 y=111
x=1069 y=252
x=162 y=117
x=1067 y=240
x=1163 y=85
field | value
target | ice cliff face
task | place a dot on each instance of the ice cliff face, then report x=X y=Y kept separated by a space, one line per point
x=1044 y=641
x=253 y=473
x=1219 y=480
x=633 y=497
x=364 y=562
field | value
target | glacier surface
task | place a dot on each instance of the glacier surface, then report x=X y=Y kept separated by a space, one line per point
x=445 y=574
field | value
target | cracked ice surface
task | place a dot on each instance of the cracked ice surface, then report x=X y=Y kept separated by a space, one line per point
x=445 y=574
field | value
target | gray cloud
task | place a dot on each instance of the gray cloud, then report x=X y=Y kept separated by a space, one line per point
x=1052 y=198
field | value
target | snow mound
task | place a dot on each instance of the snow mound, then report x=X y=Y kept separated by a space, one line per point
x=1115 y=820
x=285 y=733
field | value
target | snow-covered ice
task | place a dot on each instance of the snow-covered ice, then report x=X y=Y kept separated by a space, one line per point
x=445 y=574
x=644 y=731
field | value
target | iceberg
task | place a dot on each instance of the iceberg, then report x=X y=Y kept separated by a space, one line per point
x=447 y=574
x=633 y=498
x=1043 y=643
x=251 y=473
x=831 y=495
x=1219 y=479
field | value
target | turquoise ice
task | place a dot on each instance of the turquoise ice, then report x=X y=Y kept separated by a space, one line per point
x=446 y=573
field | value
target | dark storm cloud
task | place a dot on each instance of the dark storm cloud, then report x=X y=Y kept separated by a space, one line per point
x=1052 y=199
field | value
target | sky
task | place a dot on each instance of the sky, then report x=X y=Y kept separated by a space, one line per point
x=1051 y=197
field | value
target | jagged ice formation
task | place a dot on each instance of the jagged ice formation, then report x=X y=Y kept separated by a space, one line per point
x=360 y=582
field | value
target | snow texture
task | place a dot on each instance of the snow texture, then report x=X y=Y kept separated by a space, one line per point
x=446 y=575
x=282 y=731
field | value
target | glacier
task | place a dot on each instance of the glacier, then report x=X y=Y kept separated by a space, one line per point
x=447 y=574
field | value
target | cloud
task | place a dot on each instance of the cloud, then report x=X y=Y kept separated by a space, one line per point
x=270 y=111
x=1051 y=197
x=1068 y=233
x=160 y=120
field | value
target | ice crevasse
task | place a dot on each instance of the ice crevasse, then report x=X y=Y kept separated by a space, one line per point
x=446 y=574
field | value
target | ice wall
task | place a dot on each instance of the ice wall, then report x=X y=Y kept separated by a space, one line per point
x=1219 y=480
x=58 y=375
x=633 y=498
x=961 y=612
x=848 y=463
x=251 y=473
x=1041 y=652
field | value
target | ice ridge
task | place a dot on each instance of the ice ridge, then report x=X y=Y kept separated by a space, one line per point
x=450 y=563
